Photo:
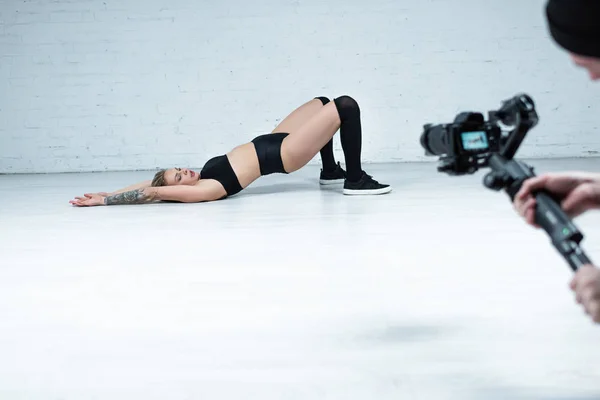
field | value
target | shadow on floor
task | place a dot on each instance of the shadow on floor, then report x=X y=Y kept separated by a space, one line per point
x=477 y=383
x=290 y=187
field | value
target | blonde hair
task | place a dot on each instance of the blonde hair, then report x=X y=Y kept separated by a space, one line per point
x=159 y=178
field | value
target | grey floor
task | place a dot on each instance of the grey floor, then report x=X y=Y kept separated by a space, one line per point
x=289 y=291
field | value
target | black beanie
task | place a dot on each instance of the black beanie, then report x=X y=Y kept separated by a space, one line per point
x=575 y=25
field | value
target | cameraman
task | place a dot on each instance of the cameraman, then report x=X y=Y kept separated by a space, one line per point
x=574 y=25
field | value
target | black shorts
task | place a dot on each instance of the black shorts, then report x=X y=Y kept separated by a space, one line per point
x=268 y=150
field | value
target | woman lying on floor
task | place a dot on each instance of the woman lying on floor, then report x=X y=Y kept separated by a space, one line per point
x=308 y=130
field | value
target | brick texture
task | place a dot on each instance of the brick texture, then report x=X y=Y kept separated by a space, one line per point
x=127 y=85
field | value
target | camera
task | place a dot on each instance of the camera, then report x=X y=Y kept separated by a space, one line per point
x=463 y=145
x=471 y=143
x=466 y=145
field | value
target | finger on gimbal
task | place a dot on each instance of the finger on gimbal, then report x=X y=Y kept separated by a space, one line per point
x=532 y=184
x=528 y=204
x=579 y=200
x=530 y=218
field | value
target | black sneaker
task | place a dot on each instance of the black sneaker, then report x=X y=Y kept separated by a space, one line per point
x=365 y=185
x=338 y=175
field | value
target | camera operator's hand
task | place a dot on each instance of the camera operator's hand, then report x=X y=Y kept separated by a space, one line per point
x=577 y=192
x=586 y=285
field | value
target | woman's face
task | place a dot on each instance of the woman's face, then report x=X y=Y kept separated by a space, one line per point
x=181 y=176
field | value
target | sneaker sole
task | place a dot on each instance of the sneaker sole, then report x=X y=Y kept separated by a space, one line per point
x=357 y=192
x=326 y=182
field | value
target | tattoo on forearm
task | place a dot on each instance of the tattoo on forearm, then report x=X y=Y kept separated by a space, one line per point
x=137 y=196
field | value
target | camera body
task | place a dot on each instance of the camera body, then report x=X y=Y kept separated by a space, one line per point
x=464 y=145
x=467 y=144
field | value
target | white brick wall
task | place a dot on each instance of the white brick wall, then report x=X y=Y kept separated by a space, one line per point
x=138 y=84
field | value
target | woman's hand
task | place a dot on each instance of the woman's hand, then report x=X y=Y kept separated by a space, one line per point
x=89 y=200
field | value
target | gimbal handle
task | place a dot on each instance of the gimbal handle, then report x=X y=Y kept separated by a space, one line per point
x=564 y=235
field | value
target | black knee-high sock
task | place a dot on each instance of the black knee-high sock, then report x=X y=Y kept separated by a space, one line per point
x=327 y=157
x=350 y=135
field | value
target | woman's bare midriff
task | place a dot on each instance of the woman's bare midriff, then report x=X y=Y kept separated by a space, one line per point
x=244 y=162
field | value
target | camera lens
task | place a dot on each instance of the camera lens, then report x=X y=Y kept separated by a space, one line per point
x=434 y=140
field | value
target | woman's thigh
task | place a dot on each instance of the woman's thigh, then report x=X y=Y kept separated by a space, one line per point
x=302 y=144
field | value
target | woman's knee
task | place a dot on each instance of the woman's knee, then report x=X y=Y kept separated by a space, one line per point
x=347 y=107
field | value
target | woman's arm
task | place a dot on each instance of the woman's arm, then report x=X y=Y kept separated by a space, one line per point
x=203 y=191
x=181 y=193
x=135 y=196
